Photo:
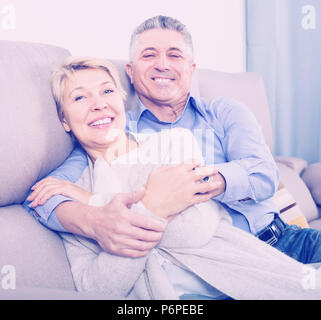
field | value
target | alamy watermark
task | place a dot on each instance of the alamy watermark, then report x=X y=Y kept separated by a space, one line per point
x=308 y=281
x=8 y=19
x=8 y=277
x=309 y=20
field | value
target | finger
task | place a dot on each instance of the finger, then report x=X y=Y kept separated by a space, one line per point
x=143 y=235
x=210 y=186
x=43 y=182
x=36 y=191
x=130 y=253
x=138 y=245
x=200 y=176
x=192 y=162
x=131 y=197
x=198 y=198
x=147 y=223
x=45 y=194
x=206 y=170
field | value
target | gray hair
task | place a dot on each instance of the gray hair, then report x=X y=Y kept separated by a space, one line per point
x=161 y=22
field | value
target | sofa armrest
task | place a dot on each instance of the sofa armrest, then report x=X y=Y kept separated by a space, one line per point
x=312 y=178
x=297 y=164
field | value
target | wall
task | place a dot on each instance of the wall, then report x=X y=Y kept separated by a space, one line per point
x=102 y=27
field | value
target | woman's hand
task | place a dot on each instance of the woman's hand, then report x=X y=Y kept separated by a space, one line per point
x=48 y=187
x=171 y=189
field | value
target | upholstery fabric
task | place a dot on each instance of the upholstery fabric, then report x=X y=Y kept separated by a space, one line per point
x=299 y=191
x=30 y=131
x=37 y=254
x=312 y=178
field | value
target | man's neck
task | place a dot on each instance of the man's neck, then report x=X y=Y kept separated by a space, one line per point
x=163 y=111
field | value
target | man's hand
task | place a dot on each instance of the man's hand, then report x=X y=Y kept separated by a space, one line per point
x=217 y=183
x=115 y=227
x=171 y=189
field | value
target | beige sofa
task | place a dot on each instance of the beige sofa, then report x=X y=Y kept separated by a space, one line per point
x=33 y=143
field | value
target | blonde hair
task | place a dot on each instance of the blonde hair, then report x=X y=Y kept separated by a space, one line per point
x=70 y=66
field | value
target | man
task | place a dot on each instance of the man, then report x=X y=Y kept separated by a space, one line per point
x=161 y=69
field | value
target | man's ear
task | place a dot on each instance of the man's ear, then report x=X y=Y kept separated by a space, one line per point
x=193 y=67
x=129 y=70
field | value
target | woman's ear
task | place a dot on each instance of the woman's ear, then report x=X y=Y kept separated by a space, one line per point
x=65 y=124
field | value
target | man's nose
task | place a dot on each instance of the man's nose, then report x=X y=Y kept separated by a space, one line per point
x=162 y=63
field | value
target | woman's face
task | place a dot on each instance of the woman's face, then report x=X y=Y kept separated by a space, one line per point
x=93 y=109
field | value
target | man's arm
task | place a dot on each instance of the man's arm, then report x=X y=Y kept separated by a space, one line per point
x=250 y=172
x=71 y=170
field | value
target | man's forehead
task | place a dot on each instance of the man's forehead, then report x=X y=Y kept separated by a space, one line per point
x=161 y=38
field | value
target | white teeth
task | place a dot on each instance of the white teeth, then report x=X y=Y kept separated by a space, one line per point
x=100 y=122
x=163 y=80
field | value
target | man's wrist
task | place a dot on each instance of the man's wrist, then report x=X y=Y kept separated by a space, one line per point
x=76 y=218
x=159 y=211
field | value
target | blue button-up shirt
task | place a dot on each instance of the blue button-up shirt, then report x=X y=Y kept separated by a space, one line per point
x=229 y=137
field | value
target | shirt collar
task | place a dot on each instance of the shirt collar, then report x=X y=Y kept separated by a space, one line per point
x=136 y=114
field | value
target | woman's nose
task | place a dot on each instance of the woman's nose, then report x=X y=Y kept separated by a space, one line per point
x=98 y=104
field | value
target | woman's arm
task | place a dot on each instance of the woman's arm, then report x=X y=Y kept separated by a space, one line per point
x=48 y=187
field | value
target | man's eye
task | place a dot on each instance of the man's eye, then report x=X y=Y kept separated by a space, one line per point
x=148 y=55
x=174 y=56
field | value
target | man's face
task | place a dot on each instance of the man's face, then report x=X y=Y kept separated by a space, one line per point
x=161 y=69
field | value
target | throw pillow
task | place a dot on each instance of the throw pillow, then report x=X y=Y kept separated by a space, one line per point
x=290 y=212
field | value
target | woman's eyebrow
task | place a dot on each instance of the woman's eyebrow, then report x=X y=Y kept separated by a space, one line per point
x=75 y=89
x=84 y=88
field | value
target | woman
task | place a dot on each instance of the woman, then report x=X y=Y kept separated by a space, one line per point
x=200 y=249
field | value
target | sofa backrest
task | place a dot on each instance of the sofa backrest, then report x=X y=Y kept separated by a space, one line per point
x=32 y=139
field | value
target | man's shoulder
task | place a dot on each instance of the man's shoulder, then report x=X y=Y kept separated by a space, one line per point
x=220 y=107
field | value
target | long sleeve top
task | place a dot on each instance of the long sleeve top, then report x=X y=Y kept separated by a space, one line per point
x=201 y=239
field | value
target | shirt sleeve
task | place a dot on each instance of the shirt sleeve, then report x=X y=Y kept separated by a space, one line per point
x=250 y=171
x=71 y=169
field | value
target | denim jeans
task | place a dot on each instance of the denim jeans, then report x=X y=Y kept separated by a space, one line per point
x=303 y=245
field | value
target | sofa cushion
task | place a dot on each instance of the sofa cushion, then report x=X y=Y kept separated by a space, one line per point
x=295 y=185
x=312 y=177
x=36 y=253
x=32 y=139
x=290 y=212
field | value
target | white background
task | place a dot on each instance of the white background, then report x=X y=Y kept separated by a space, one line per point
x=102 y=28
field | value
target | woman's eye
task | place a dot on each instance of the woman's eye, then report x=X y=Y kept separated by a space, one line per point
x=78 y=98
x=108 y=91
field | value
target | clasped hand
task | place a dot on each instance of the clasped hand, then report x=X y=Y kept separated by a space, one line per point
x=168 y=191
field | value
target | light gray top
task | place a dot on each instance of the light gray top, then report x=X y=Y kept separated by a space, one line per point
x=200 y=239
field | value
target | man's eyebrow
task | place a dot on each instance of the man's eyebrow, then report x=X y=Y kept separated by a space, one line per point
x=148 y=49
x=175 y=49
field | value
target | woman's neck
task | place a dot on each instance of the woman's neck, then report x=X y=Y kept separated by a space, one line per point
x=123 y=145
